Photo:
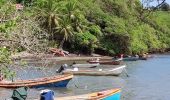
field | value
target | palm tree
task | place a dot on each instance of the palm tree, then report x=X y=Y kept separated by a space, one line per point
x=65 y=29
x=71 y=10
x=56 y=22
x=47 y=15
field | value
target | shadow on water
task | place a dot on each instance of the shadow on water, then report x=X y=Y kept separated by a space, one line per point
x=149 y=80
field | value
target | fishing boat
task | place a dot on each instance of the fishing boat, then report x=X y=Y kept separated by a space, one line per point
x=106 y=62
x=127 y=58
x=94 y=60
x=112 y=94
x=143 y=58
x=130 y=58
x=99 y=71
x=110 y=62
x=86 y=65
x=54 y=81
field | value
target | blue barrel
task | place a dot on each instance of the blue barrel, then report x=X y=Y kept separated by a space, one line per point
x=47 y=95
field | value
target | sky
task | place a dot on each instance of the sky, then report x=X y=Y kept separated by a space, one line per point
x=156 y=3
x=167 y=1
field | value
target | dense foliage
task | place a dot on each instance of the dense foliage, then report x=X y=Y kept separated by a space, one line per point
x=86 y=26
x=81 y=26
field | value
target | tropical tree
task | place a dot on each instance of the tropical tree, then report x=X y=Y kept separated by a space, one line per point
x=73 y=14
x=70 y=9
x=48 y=15
x=65 y=29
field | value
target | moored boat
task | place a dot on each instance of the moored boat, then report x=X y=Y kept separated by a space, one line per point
x=54 y=81
x=115 y=71
x=110 y=62
x=112 y=94
x=106 y=62
x=86 y=65
x=143 y=58
x=127 y=58
x=131 y=59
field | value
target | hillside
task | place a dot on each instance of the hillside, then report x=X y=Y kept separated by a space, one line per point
x=85 y=26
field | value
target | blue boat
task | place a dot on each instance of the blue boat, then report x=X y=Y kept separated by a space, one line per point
x=113 y=94
x=131 y=59
x=54 y=81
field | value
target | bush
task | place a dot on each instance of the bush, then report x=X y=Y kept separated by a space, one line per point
x=85 y=40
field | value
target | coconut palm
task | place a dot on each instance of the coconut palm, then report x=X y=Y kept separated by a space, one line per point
x=65 y=29
x=70 y=9
x=72 y=13
x=47 y=14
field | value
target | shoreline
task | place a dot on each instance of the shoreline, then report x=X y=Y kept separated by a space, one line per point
x=51 y=57
x=47 y=56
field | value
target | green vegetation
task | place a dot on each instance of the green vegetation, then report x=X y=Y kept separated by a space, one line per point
x=85 y=26
x=81 y=26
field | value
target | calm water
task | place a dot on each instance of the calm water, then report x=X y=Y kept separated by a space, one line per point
x=148 y=80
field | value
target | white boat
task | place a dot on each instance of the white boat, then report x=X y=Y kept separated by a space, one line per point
x=99 y=71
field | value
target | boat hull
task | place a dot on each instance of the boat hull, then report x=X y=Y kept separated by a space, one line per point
x=130 y=59
x=55 y=84
x=112 y=72
x=110 y=63
x=113 y=94
x=105 y=62
x=142 y=58
x=86 y=65
x=55 y=81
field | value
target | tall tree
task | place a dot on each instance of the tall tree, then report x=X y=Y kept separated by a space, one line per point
x=48 y=15
x=65 y=29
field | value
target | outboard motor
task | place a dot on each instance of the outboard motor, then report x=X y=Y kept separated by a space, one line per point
x=74 y=62
x=63 y=67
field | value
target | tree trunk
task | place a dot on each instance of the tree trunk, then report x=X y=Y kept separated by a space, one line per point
x=61 y=43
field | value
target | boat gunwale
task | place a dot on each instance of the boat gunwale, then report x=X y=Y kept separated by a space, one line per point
x=89 y=96
x=108 y=94
x=109 y=70
x=33 y=83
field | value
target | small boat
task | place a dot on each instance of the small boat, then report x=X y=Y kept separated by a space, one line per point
x=55 y=81
x=93 y=61
x=143 y=58
x=128 y=58
x=112 y=94
x=134 y=58
x=86 y=65
x=115 y=71
x=131 y=59
x=108 y=62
